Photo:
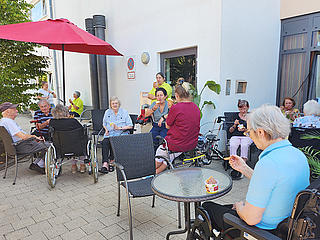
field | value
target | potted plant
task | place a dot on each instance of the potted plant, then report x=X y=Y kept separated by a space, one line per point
x=313 y=156
x=213 y=86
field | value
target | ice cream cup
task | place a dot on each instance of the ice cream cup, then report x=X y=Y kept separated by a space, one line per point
x=211 y=188
x=240 y=126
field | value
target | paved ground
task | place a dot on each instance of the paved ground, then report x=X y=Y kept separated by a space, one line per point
x=79 y=209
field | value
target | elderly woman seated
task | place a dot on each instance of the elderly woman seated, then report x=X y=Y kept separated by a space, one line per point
x=62 y=122
x=311 y=119
x=116 y=121
x=279 y=175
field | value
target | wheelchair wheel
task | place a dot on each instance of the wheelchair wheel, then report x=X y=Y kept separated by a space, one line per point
x=214 y=154
x=201 y=229
x=93 y=163
x=51 y=167
x=183 y=160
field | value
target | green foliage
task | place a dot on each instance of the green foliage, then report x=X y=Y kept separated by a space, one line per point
x=213 y=86
x=313 y=156
x=19 y=64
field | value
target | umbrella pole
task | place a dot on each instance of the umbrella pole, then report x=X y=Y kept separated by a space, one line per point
x=63 y=77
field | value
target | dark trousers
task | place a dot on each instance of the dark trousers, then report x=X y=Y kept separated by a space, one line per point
x=30 y=146
x=156 y=131
x=216 y=212
x=74 y=114
x=107 y=152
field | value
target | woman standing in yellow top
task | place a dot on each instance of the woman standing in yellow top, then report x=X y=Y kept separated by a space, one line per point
x=76 y=107
x=160 y=83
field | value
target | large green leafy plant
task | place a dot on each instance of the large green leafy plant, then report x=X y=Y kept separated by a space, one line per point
x=213 y=86
x=19 y=63
x=313 y=155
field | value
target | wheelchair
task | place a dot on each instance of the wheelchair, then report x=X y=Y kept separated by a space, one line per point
x=193 y=158
x=303 y=223
x=66 y=145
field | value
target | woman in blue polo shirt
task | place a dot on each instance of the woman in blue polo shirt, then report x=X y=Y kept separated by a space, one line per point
x=281 y=172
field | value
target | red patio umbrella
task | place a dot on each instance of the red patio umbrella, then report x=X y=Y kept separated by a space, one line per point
x=58 y=34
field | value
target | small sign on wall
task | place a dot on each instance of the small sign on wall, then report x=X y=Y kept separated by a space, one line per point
x=131 y=68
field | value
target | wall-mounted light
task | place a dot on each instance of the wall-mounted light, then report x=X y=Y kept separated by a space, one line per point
x=145 y=58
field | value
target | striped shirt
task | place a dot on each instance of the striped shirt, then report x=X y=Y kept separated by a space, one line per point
x=40 y=117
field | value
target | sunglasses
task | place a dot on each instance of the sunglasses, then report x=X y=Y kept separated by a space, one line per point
x=181 y=81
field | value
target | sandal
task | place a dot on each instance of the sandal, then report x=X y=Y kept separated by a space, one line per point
x=111 y=168
x=103 y=170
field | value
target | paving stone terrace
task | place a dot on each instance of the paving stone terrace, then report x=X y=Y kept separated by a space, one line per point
x=79 y=209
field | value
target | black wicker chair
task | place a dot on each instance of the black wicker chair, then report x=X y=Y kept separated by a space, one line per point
x=10 y=151
x=135 y=167
x=134 y=120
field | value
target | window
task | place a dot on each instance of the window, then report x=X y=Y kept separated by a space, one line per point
x=241 y=86
x=316 y=39
x=228 y=87
x=39 y=10
x=180 y=63
x=298 y=75
x=318 y=77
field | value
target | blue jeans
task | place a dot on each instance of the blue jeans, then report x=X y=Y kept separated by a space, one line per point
x=156 y=131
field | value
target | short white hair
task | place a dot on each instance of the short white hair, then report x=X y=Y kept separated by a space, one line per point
x=271 y=120
x=43 y=101
x=311 y=107
x=114 y=98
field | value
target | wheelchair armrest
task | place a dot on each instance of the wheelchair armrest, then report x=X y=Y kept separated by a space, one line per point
x=256 y=232
x=118 y=165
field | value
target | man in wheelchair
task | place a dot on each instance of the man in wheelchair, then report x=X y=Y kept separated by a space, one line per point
x=26 y=143
x=281 y=172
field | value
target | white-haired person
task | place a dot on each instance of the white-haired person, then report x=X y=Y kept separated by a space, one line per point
x=25 y=143
x=311 y=118
x=183 y=124
x=281 y=172
x=62 y=122
x=76 y=105
x=42 y=118
x=115 y=122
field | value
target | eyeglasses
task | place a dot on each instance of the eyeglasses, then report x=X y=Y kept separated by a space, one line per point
x=181 y=81
x=247 y=133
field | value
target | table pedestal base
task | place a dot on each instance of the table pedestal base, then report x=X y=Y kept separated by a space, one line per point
x=187 y=227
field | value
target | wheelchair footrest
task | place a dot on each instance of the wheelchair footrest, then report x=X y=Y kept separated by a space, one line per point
x=86 y=161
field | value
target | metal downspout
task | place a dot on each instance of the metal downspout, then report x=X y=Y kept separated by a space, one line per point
x=99 y=24
x=93 y=69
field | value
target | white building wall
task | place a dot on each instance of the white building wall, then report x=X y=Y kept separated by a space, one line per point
x=237 y=40
x=134 y=27
x=249 y=51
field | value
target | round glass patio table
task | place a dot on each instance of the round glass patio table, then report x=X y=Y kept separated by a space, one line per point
x=188 y=185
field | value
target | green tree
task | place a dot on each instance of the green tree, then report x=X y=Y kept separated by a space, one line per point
x=19 y=63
